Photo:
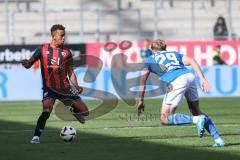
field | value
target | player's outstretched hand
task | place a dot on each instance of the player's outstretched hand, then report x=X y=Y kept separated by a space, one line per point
x=205 y=85
x=26 y=63
x=140 y=107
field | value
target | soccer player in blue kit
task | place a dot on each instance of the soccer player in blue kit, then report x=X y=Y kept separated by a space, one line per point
x=170 y=67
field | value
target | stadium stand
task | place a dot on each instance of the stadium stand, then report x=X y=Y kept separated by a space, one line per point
x=104 y=20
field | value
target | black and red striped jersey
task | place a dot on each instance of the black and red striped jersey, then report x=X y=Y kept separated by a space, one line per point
x=55 y=65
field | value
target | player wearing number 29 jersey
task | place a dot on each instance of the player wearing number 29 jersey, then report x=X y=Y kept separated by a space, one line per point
x=170 y=67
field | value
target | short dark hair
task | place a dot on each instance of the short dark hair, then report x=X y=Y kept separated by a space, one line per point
x=57 y=27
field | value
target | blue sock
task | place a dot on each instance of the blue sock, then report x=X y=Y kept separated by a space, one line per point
x=210 y=127
x=179 y=119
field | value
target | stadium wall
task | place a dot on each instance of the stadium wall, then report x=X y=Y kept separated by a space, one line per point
x=17 y=83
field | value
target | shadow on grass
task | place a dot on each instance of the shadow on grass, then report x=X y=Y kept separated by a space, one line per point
x=15 y=144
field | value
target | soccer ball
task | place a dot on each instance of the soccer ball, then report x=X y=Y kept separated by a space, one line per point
x=68 y=133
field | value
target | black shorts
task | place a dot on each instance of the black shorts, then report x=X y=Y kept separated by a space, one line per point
x=48 y=93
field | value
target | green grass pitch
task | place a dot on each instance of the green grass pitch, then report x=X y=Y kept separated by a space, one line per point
x=120 y=134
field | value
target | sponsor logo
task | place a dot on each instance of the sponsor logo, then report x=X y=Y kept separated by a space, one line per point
x=63 y=54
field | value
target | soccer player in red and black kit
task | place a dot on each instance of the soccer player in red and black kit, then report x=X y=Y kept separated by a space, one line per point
x=57 y=75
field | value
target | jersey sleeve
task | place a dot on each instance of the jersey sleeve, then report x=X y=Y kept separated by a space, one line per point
x=70 y=55
x=70 y=58
x=180 y=58
x=37 y=53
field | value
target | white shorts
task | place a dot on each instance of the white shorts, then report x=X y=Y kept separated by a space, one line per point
x=183 y=85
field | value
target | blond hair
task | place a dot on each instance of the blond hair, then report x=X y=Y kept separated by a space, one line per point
x=159 y=45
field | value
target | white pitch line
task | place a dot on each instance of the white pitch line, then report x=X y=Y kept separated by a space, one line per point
x=146 y=127
x=118 y=128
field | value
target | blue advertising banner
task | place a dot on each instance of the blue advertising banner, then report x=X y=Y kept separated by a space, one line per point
x=22 y=84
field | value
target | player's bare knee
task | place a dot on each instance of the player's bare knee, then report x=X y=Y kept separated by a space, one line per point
x=48 y=105
x=47 y=110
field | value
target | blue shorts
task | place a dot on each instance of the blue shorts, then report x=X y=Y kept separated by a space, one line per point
x=48 y=93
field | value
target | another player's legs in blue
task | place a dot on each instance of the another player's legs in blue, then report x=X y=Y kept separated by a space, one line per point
x=202 y=121
x=208 y=124
x=212 y=130
x=183 y=119
x=179 y=119
x=169 y=117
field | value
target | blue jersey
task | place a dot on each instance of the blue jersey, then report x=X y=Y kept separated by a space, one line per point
x=167 y=65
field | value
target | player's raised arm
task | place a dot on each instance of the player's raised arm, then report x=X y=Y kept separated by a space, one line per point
x=27 y=63
x=192 y=62
x=143 y=79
